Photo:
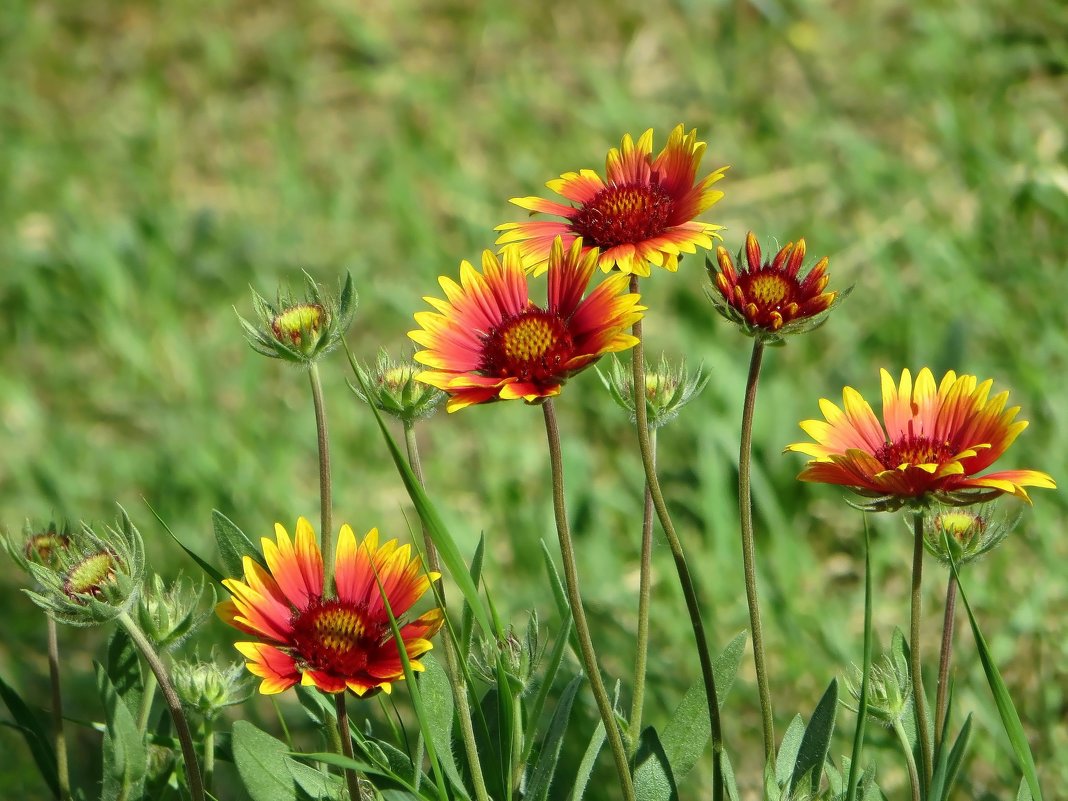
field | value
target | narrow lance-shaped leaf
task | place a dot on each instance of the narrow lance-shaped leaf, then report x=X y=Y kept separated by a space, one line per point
x=35 y=735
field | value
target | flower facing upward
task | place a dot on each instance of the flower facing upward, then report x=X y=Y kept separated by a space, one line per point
x=930 y=446
x=641 y=214
x=771 y=299
x=489 y=342
x=332 y=643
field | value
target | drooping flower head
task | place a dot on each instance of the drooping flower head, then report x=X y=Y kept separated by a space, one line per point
x=332 y=643
x=771 y=299
x=488 y=341
x=641 y=213
x=931 y=445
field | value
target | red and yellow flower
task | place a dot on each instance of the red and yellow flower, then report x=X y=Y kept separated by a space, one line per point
x=931 y=444
x=771 y=299
x=331 y=642
x=488 y=341
x=642 y=213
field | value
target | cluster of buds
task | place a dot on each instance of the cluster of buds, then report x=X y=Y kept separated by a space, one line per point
x=207 y=689
x=667 y=389
x=392 y=388
x=300 y=331
x=83 y=578
x=168 y=615
x=962 y=534
x=889 y=690
x=520 y=656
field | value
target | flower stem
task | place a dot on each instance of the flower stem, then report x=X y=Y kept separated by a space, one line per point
x=910 y=760
x=452 y=668
x=923 y=718
x=945 y=658
x=589 y=657
x=326 y=530
x=181 y=725
x=209 y=755
x=147 y=696
x=745 y=510
x=641 y=658
x=351 y=779
x=689 y=590
x=62 y=770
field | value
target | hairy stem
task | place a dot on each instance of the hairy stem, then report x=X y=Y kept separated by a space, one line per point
x=147 y=697
x=745 y=510
x=689 y=590
x=181 y=725
x=641 y=658
x=351 y=779
x=945 y=658
x=209 y=755
x=910 y=760
x=452 y=667
x=589 y=657
x=326 y=529
x=923 y=718
x=60 y=739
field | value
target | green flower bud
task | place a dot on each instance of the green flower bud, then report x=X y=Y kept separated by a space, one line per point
x=95 y=578
x=520 y=656
x=667 y=388
x=169 y=615
x=41 y=546
x=393 y=389
x=207 y=688
x=889 y=690
x=300 y=331
x=969 y=531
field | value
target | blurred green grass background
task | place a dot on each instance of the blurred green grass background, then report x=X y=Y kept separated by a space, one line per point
x=157 y=159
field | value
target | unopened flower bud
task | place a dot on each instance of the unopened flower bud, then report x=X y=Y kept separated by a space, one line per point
x=169 y=615
x=962 y=534
x=207 y=688
x=889 y=690
x=40 y=545
x=667 y=388
x=301 y=331
x=392 y=389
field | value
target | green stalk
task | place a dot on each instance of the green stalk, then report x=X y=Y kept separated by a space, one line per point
x=571 y=581
x=745 y=509
x=910 y=760
x=351 y=779
x=62 y=769
x=862 y=705
x=452 y=668
x=181 y=725
x=945 y=657
x=209 y=755
x=919 y=698
x=641 y=658
x=326 y=530
x=147 y=696
x=689 y=590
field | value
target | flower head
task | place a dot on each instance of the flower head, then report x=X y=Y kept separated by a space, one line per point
x=667 y=388
x=332 y=643
x=931 y=445
x=771 y=299
x=488 y=341
x=392 y=388
x=642 y=213
x=301 y=331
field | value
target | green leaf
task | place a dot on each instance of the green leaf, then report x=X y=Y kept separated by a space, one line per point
x=555 y=658
x=438 y=702
x=1010 y=719
x=817 y=740
x=34 y=733
x=211 y=571
x=233 y=544
x=467 y=617
x=1024 y=793
x=563 y=607
x=124 y=670
x=125 y=755
x=314 y=783
x=862 y=704
x=689 y=728
x=788 y=751
x=428 y=513
x=367 y=768
x=653 y=780
x=545 y=768
x=262 y=764
x=585 y=768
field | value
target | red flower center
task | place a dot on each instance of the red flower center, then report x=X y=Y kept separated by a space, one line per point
x=533 y=345
x=335 y=637
x=913 y=450
x=621 y=215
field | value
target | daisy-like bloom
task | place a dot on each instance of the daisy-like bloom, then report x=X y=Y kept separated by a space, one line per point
x=770 y=300
x=332 y=643
x=488 y=341
x=931 y=445
x=642 y=213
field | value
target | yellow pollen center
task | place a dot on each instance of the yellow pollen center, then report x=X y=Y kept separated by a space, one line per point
x=768 y=290
x=292 y=323
x=90 y=574
x=529 y=339
x=339 y=629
